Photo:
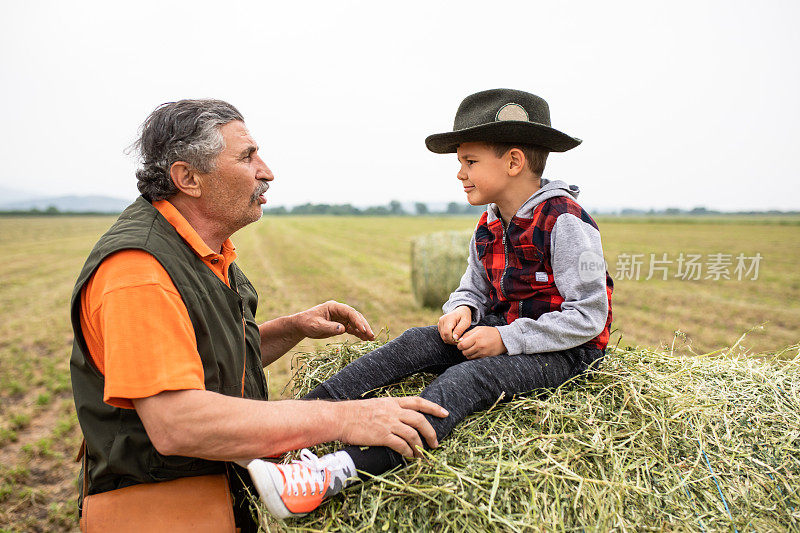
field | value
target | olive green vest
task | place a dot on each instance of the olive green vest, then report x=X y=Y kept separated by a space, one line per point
x=119 y=452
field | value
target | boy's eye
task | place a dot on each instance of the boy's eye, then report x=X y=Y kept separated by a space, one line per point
x=471 y=161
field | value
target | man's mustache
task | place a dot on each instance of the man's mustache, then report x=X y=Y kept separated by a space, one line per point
x=260 y=190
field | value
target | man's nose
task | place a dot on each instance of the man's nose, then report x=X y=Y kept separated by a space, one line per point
x=264 y=173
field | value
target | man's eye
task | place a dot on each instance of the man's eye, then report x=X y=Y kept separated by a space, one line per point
x=470 y=161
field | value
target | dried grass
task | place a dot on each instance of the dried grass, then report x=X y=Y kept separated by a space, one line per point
x=653 y=440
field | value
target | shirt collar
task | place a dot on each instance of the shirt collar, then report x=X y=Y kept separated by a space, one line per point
x=190 y=235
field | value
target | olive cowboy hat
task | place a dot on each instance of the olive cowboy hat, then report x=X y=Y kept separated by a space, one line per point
x=502 y=115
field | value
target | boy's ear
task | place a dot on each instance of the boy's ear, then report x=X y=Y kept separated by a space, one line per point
x=185 y=178
x=515 y=161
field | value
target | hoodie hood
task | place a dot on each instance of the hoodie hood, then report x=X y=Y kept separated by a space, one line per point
x=549 y=189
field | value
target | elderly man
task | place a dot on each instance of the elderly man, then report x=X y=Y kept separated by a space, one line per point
x=167 y=365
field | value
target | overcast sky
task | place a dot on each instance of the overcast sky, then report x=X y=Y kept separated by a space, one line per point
x=678 y=103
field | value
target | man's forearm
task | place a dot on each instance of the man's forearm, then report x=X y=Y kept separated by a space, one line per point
x=198 y=423
x=278 y=336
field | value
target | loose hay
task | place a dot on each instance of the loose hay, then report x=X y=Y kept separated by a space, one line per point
x=438 y=261
x=651 y=441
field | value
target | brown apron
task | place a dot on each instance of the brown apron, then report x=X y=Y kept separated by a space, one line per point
x=191 y=504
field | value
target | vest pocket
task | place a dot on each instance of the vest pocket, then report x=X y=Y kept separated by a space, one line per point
x=483 y=241
x=536 y=307
x=481 y=248
x=166 y=468
x=529 y=252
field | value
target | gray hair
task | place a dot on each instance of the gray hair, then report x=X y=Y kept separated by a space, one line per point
x=187 y=130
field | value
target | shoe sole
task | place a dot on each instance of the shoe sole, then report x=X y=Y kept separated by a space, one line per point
x=263 y=475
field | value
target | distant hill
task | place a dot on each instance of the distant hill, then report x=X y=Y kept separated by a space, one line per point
x=73 y=204
x=13 y=195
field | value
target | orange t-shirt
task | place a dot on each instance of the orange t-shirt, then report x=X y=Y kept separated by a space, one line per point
x=136 y=325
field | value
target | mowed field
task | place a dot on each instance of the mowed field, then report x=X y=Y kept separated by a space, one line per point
x=297 y=262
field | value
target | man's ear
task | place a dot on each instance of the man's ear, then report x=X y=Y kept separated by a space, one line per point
x=515 y=161
x=185 y=178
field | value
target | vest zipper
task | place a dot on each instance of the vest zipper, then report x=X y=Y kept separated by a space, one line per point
x=505 y=263
x=244 y=341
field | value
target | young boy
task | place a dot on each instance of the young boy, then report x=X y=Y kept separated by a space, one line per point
x=532 y=310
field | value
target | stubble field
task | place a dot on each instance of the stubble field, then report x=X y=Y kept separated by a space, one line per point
x=297 y=262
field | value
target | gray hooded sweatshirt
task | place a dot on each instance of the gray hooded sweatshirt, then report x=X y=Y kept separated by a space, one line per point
x=584 y=311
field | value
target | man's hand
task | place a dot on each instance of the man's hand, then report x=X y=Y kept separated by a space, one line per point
x=332 y=318
x=454 y=324
x=393 y=422
x=481 y=341
x=279 y=335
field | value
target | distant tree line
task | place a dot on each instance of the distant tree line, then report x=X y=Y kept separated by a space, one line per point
x=393 y=208
x=697 y=211
x=52 y=211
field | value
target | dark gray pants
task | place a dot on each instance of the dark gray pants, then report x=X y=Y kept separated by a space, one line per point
x=462 y=387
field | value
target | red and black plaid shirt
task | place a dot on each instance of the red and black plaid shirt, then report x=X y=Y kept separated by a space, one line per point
x=514 y=257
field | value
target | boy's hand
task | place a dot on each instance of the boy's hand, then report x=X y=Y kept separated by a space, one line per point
x=454 y=323
x=481 y=341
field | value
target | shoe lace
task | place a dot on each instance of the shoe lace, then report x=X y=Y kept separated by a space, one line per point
x=305 y=475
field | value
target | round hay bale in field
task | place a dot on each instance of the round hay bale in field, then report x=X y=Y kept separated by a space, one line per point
x=650 y=441
x=438 y=261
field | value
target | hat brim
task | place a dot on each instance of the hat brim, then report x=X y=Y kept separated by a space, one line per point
x=507 y=131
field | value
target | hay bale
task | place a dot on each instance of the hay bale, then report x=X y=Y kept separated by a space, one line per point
x=652 y=441
x=438 y=261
